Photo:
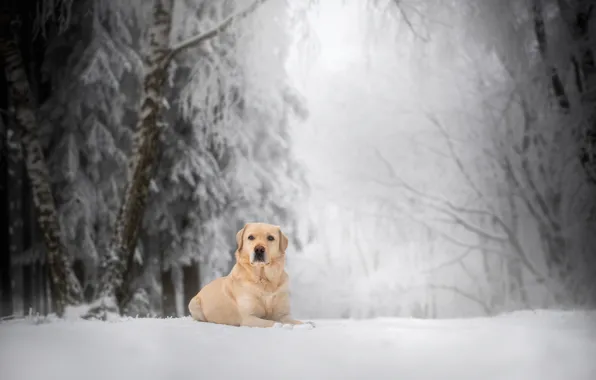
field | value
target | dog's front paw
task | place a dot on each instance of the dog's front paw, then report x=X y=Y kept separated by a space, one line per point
x=287 y=326
x=306 y=326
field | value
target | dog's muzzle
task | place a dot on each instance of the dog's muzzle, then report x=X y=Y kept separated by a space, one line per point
x=258 y=255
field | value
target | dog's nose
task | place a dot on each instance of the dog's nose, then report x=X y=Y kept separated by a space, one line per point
x=259 y=255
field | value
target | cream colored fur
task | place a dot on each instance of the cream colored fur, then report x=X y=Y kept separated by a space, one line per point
x=254 y=294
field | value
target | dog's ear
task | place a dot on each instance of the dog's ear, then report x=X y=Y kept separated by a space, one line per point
x=240 y=237
x=283 y=241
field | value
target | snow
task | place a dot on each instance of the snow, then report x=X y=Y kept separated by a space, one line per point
x=543 y=345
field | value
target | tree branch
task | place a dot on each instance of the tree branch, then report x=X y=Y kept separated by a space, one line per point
x=454 y=155
x=485 y=307
x=538 y=197
x=454 y=241
x=200 y=38
x=455 y=219
x=451 y=211
x=448 y=263
x=407 y=20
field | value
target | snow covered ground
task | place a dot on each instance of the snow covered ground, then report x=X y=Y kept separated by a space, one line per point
x=542 y=345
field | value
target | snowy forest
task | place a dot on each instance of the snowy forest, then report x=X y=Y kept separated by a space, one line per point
x=426 y=158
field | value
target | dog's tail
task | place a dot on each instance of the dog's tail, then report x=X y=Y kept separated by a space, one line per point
x=194 y=306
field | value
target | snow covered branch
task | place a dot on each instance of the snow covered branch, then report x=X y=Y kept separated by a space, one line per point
x=195 y=40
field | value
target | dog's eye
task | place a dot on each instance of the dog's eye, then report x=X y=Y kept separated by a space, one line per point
x=250 y=237
x=270 y=238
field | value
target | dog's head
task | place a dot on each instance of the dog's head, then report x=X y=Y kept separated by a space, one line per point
x=261 y=243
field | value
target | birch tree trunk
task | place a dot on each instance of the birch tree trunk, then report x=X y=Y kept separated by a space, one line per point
x=6 y=306
x=142 y=162
x=114 y=292
x=65 y=287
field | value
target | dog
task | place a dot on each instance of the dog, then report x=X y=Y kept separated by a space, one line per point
x=255 y=293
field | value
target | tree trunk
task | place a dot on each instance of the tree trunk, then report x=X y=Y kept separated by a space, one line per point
x=66 y=289
x=16 y=192
x=516 y=284
x=6 y=307
x=114 y=282
x=540 y=31
x=78 y=267
x=578 y=15
x=27 y=288
x=192 y=283
x=49 y=301
x=43 y=291
x=35 y=285
x=168 y=294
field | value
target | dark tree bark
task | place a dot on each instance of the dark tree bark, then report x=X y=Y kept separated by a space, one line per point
x=65 y=287
x=49 y=301
x=39 y=287
x=43 y=291
x=191 y=282
x=168 y=294
x=79 y=270
x=556 y=82
x=27 y=270
x=578 y=16
x=6 y=306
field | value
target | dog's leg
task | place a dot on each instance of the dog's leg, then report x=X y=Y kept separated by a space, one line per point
x=290 y=320
x=286 y=319
x=194 y=306
x=252 y=321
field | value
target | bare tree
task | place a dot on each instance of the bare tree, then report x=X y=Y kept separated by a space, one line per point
x=494 y=220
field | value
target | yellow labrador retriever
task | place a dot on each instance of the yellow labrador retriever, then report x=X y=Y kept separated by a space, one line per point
x=255 y=293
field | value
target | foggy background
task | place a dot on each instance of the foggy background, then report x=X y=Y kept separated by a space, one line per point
x=426 y=158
